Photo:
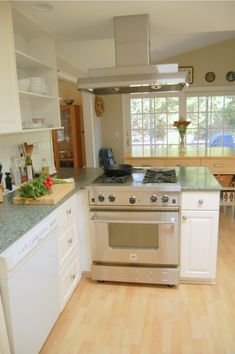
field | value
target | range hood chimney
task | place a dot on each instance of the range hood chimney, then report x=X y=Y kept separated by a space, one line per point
x=132 y=73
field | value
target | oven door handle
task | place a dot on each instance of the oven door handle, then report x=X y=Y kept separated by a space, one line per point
x=146 y=222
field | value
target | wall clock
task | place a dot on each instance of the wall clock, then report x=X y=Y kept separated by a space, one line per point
x=99 y=106
x=230 y=76
x=210 y=76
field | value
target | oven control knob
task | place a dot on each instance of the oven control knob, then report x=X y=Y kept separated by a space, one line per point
x=165 y=198
x=132 y=199
x=100 y=198
x=112 y=198
x=153 y=198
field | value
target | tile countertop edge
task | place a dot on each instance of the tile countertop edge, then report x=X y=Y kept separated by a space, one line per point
x=16 y=220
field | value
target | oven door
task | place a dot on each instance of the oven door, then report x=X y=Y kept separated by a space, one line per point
x=143 y=237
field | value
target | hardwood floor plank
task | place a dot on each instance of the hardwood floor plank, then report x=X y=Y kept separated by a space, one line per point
x=118 y=318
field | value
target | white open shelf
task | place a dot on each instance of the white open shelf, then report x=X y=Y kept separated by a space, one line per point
x=25 y=61
x=29 y=94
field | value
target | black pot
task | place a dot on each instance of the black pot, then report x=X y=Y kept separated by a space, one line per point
x=118 y=170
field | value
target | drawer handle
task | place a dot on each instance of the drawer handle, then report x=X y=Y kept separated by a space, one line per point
x=69 y=211
x=184 y=217
x=201 y=201
x=73 y=276
x=70 y=241
x=218 y=165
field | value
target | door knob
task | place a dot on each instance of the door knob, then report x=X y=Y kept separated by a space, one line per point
x=184 y=217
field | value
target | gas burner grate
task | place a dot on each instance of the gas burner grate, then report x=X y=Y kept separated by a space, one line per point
x=104 y=178
x=160 y=176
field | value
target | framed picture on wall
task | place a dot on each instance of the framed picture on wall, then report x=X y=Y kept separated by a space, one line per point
x=189 y=69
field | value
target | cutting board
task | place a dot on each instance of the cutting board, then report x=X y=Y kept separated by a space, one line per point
x=59 y=192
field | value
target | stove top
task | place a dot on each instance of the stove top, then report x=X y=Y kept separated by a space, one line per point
x=152 y=188
x=141 y=177
x=104 y=178
x=160 y=176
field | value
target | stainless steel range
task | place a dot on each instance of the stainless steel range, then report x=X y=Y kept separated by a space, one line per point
x=134 y=219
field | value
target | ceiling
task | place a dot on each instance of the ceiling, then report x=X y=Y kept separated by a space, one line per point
x=84 y=34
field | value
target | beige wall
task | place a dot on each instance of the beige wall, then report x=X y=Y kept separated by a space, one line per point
x=69 y=90
x=111 y=125
x=218 y=58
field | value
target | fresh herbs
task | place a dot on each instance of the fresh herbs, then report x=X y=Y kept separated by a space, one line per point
x=37 y=188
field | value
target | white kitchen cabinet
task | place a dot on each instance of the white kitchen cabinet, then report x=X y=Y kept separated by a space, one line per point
x=29 y=52
x=10 y=109
x=199 y=236
x=69 y=270
x=69 y=278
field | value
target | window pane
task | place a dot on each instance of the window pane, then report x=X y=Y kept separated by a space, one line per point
x=147 y=121
x=137 y=150
x=217 y=103
x=202 y=104
x=147 y=105
x=192 y=104
x=136 y=105
x=136 y=121
x=173 y=104
x=136 y=136
x=160 y=104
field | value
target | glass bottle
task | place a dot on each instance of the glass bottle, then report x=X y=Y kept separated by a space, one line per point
x=29 y=167
x=22 y=167
x=8 y=181
x=45 y=167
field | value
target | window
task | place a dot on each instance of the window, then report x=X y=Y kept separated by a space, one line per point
x=151 y=124
x=213 y=121
x=150 y=121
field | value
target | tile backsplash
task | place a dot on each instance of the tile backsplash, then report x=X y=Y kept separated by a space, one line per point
x=43 y=148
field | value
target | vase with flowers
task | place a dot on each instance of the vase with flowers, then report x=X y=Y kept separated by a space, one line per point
x=181 y=125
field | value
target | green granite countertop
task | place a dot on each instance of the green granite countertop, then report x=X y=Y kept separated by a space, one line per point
x=16 y=220
x=197 y=178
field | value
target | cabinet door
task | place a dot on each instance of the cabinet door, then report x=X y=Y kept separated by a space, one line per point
x=68 y=147
x=199 y=234
x=10 y=109
x=69 y=278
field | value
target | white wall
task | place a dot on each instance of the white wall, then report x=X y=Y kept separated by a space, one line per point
x=111 y=125
x=42 y=148
x=92 y=128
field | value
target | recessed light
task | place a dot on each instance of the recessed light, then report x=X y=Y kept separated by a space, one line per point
x=42 y=7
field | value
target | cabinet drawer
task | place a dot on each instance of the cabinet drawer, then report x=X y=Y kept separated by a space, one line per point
x=67 y=242
x=200 y=200
x=220 y=165
x=69 y=278
x=182 y=162
x=67 y=211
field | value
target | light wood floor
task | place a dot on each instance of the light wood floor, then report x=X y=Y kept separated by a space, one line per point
x=114 y=318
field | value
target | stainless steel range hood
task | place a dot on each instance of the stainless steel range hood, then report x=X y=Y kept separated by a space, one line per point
x=132 y=73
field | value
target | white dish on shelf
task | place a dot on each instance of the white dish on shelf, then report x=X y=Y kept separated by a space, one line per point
x=24 y=84
x=38 y=85
x=31 y=125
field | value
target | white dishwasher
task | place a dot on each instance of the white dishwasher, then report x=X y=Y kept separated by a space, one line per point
x=29 y=286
